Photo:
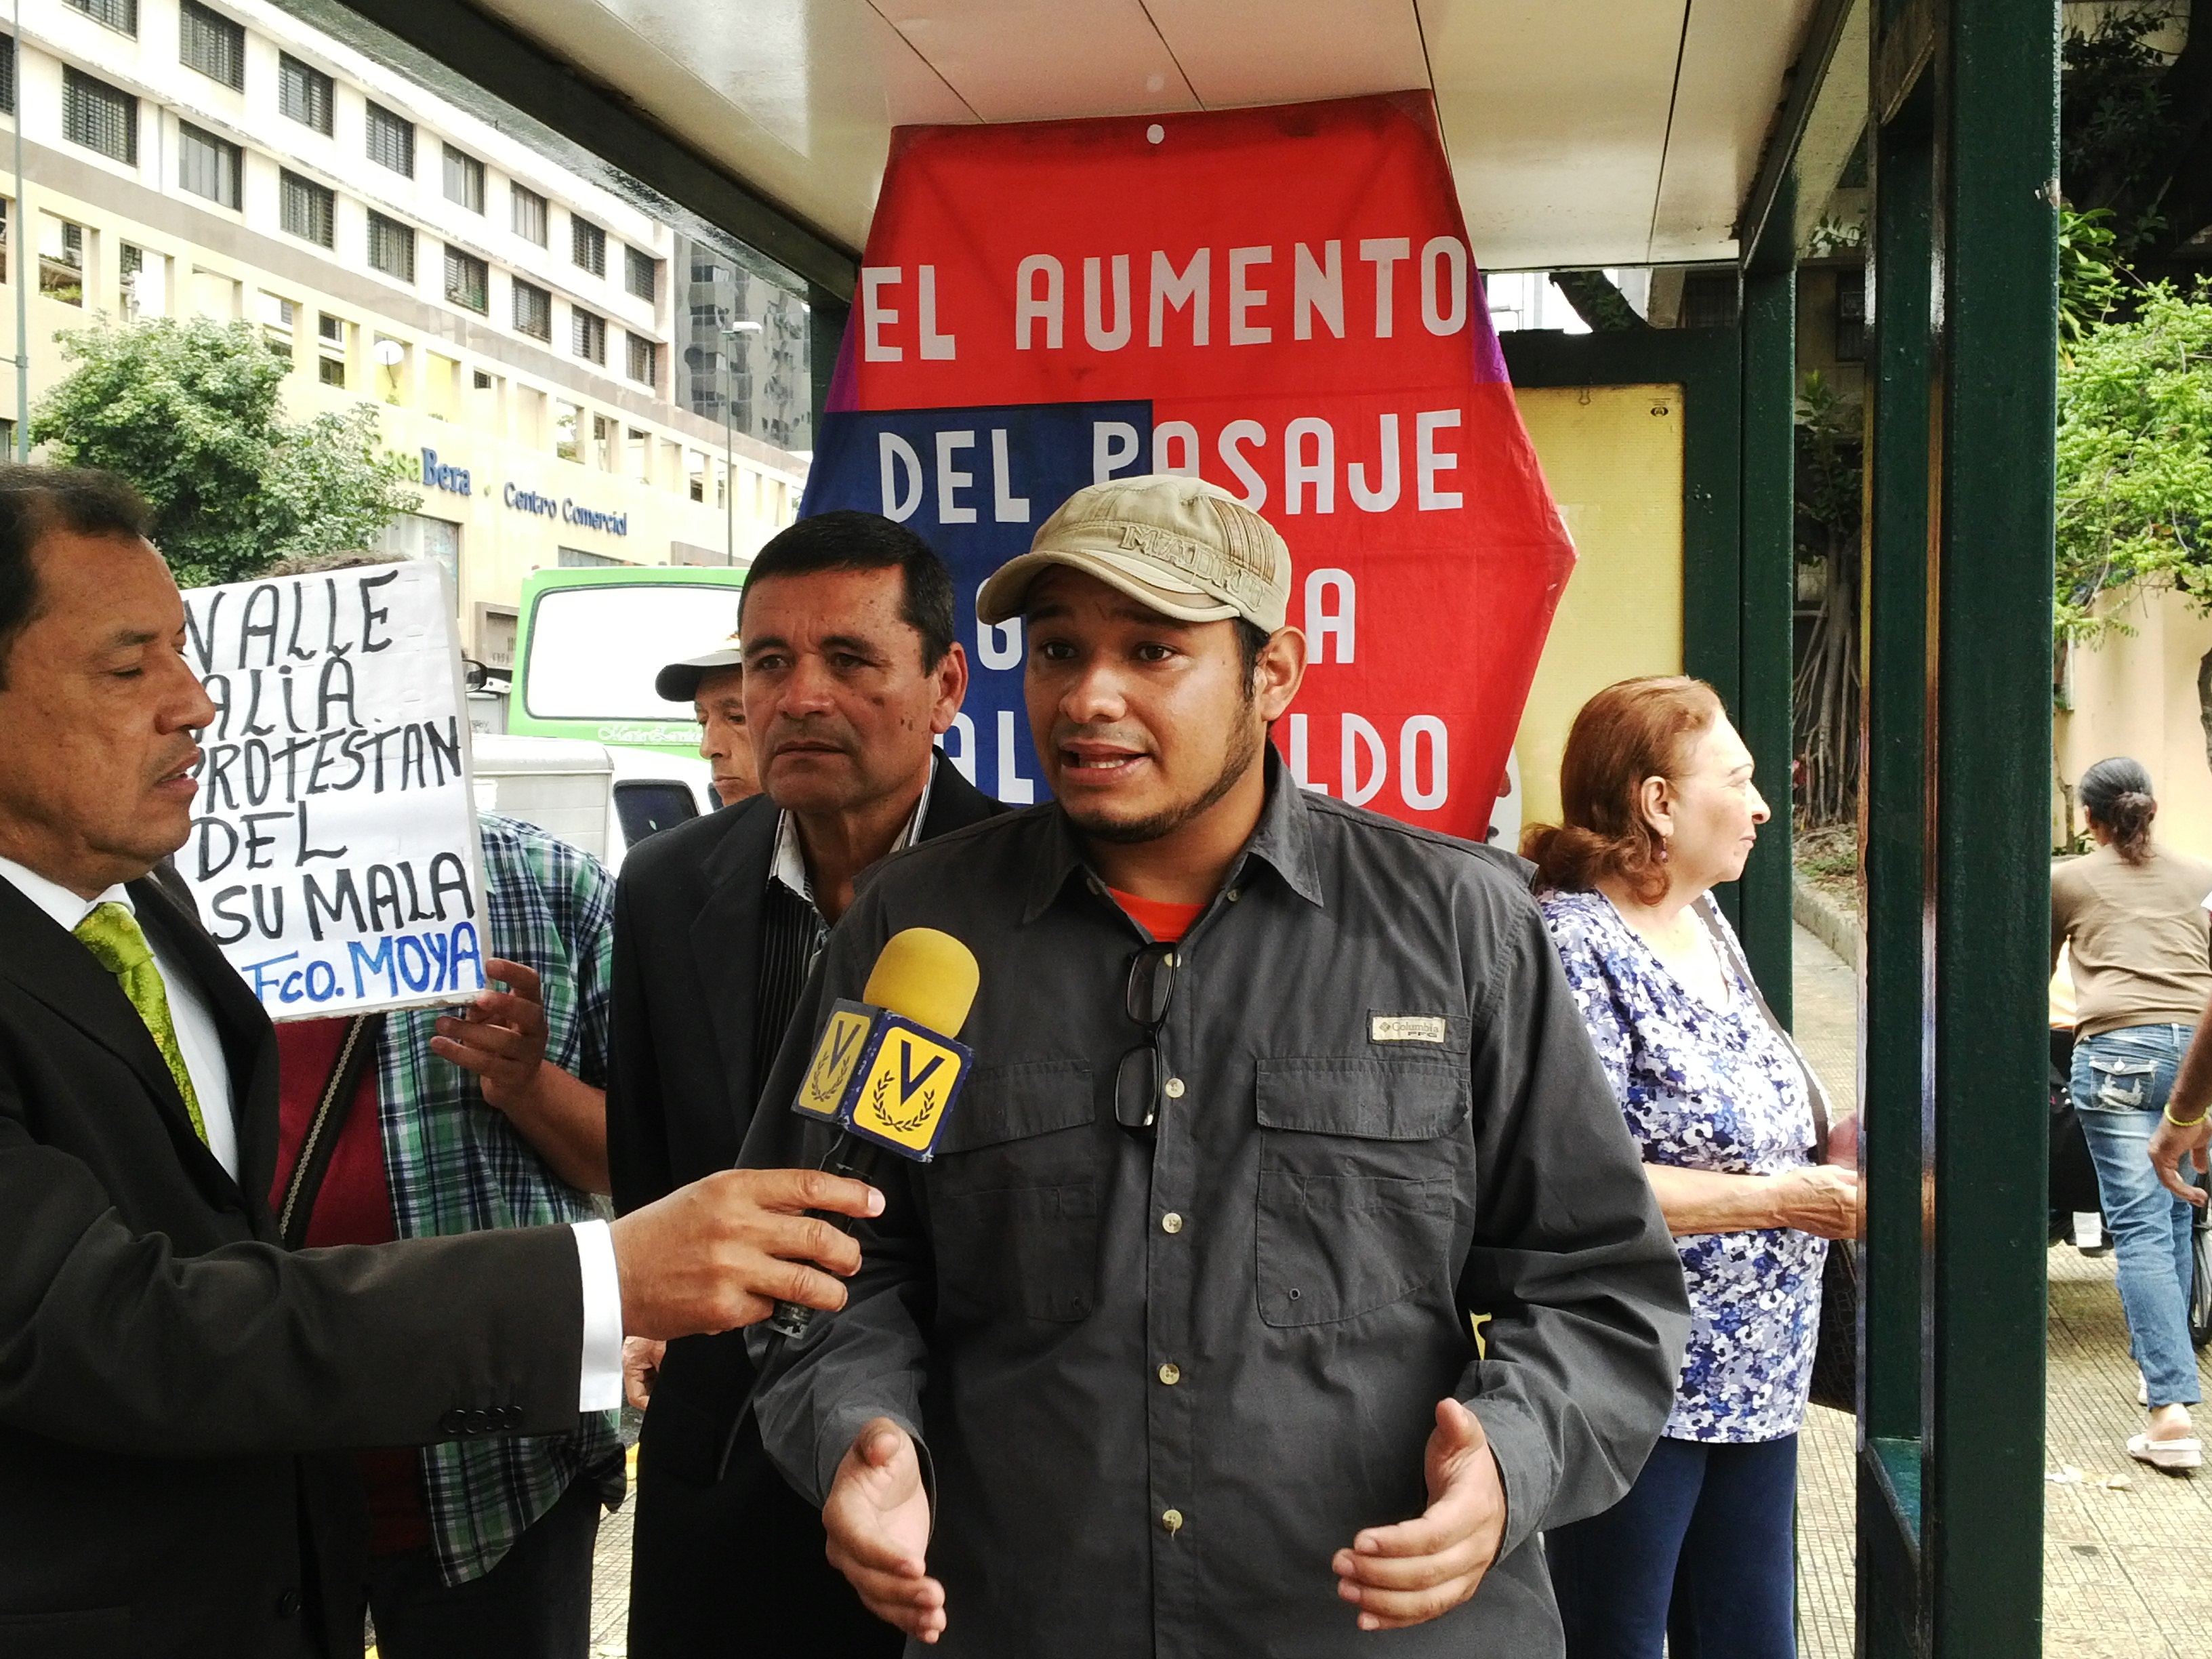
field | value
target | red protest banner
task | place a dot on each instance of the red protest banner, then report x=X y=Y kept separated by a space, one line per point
x=1281 y=301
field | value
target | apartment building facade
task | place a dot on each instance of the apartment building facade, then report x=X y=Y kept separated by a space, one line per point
x=551 y=355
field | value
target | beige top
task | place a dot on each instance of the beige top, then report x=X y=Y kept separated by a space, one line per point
x=2138 y=936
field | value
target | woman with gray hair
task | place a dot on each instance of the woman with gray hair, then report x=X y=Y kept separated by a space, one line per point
x=2132 y=915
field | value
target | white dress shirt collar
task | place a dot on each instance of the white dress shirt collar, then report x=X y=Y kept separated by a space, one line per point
x=789 y=864
x=66 y=908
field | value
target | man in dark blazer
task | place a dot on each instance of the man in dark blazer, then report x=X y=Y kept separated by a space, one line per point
x=169 y=1374
x=850 y=674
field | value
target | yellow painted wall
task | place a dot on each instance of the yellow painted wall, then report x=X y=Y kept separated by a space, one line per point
x=2135 y=694
x=1614 y=458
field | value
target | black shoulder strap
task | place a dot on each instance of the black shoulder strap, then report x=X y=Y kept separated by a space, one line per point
x=1732 y=953
x=356 y=1049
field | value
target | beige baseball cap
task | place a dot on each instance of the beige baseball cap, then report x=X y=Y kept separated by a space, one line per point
x=1181 y=546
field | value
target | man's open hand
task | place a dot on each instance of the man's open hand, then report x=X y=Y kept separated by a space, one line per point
x=1422 y=1569
x=877 y=1519
x=501 y=1036
x=723 y=1251
x=2177 y=1152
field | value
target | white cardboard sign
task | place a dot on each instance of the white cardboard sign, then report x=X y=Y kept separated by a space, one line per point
x=334 y=853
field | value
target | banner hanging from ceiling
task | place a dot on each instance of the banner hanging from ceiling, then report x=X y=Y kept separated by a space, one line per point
x=1281 y=301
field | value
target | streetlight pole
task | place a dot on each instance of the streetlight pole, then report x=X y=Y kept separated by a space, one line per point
x=729 y=455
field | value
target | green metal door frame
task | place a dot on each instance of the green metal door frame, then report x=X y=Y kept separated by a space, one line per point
x=1957 y=734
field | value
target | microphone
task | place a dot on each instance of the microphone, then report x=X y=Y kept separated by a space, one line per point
x=887 y=1071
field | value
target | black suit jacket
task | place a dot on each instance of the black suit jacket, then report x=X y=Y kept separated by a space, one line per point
x=170 y=1377
x=680 y=1097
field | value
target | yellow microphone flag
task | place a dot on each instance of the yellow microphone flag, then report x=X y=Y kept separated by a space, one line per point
x=886 y=1069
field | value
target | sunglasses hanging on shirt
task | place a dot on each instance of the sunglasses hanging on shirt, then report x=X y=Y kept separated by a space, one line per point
x=1139 y=1080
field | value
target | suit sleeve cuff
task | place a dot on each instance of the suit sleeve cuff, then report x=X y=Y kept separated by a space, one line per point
x=599 y=1380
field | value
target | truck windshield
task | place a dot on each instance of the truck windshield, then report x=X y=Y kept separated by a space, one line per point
x=593 y=650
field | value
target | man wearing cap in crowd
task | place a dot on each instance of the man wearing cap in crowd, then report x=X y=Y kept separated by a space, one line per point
x=1170 y=1350
x=714 y=684
x=850 y=672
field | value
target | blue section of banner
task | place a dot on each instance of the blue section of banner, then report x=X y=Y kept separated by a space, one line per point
x=976 y=483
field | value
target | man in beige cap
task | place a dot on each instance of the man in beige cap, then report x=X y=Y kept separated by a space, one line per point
x=714 y=684
x=1168 y=1349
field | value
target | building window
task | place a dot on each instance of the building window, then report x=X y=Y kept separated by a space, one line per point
x=390 y=246
x=307 y=210
x=533 y=310
x=8 y=73
x=566 y=443
x=61 y=260
x=279 y=318
x=390 y=140
x=330 y=343
x=590 y=335
x=303 y=93
x=464 y=179
x=131 y=265
x=642 y=273
x=643 y=359
x=468 y=283
x=100 y=117
x=121 y=15
x=574 y=558
x=207 y=166
x=588 y=246
x=529 y=214
x=210 y=43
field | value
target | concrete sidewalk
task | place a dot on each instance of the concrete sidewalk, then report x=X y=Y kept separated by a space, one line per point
x=2122 y=1545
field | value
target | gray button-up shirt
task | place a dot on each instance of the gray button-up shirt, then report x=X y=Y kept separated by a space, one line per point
x=1160 y=1383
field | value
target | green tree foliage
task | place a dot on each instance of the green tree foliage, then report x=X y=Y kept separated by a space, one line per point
x=2134 y=457
x=190 y=413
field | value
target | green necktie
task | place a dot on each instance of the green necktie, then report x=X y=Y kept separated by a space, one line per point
x=111 y=933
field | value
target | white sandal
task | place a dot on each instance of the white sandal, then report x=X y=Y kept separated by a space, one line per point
x=2167 y=1455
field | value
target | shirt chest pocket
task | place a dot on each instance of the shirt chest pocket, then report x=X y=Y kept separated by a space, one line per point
x=1359 y=1164
x=1013 y=1197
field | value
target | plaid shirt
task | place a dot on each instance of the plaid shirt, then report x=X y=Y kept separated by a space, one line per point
x=457 y=1166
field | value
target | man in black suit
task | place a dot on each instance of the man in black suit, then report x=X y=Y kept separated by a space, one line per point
x=850 y=674
x=169 y=1374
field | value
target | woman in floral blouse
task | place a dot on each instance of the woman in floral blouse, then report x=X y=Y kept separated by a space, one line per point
x=1659 y=807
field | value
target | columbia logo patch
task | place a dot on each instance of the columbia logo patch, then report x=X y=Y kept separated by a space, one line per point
x=1406 y=1028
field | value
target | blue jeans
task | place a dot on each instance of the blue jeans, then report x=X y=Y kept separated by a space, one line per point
x=1700 y=1556
x=2121 y=1082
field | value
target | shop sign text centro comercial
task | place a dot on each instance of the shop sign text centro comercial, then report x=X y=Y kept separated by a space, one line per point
x=1048 y=305
x=455 y=481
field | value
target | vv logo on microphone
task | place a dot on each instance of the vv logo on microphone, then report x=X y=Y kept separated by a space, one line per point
x=883 y=1077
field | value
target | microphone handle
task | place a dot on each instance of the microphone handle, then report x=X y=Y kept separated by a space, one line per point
x=854 y=1158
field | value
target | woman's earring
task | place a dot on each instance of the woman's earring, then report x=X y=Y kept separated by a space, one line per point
x=1662 y=849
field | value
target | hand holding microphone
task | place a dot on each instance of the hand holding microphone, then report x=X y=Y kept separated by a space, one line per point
x=887 y=1072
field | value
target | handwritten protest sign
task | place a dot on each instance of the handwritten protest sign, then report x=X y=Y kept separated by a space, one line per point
x=335 y=856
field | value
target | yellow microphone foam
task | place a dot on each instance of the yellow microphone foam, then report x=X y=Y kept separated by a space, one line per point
x=926 y=976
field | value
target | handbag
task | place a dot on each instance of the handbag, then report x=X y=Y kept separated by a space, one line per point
x=1836 y=1348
